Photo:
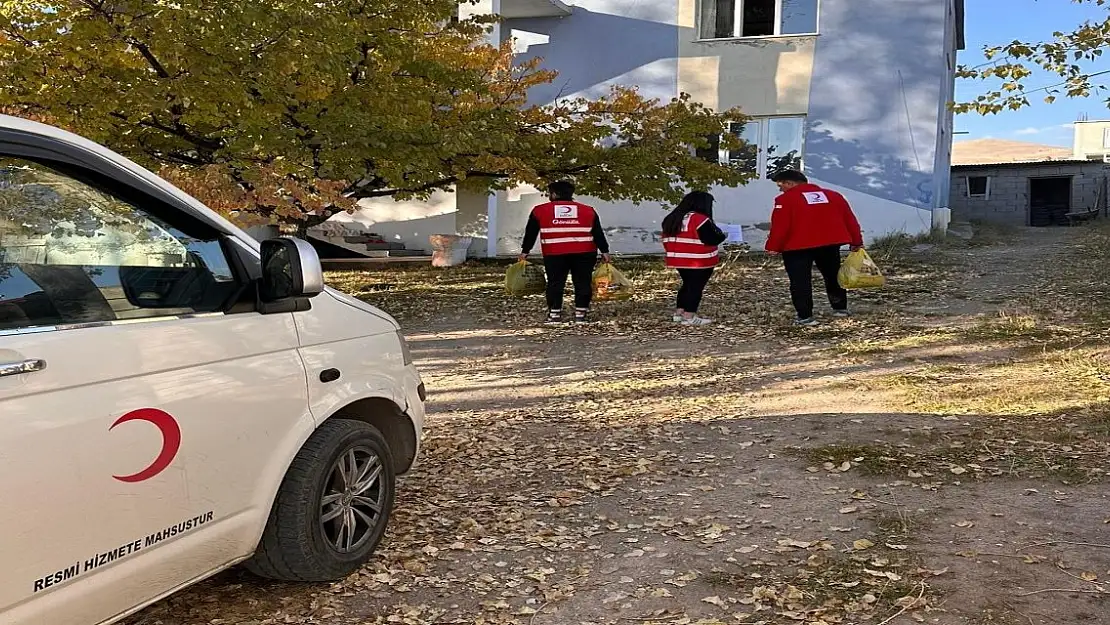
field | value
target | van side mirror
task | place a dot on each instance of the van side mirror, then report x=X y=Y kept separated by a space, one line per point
x=291 y=271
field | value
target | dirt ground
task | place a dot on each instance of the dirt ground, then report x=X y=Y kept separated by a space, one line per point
x=939 y=458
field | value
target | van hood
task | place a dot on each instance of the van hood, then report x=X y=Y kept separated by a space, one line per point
x=358 y=304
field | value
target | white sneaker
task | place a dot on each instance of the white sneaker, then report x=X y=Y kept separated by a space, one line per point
x=696 y=321
x=677 y=318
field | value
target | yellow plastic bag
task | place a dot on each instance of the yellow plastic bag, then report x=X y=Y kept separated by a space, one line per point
x=860 y=272
x=524 y=278
x=610 y=284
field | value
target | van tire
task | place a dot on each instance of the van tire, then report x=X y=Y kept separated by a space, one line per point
x=294 y=545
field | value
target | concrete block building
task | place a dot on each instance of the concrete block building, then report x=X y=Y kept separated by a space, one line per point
x=853 y=91
x=1028 y=184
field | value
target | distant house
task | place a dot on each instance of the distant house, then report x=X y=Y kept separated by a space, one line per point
x=1028 y=184
x=854 y=90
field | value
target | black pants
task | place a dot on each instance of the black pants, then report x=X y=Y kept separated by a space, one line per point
x=580 y=268
x=799 y=267
x=693 y=286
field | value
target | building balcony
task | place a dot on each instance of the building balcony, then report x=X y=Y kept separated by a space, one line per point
x=522 y=9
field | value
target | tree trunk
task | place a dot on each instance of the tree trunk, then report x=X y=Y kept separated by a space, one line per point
x=300 y=227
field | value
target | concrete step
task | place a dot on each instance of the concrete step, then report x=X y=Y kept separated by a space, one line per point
x=961 y=230
x=362 y=238
x=384 y=246
x=369 y=250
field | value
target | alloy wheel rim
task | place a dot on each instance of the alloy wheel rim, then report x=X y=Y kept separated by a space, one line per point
x=352 y=504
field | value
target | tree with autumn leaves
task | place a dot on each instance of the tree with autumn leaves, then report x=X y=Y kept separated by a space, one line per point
x=292 y=110
x=1066 y=54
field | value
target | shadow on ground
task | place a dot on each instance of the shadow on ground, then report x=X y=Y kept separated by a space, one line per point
x=940 y=458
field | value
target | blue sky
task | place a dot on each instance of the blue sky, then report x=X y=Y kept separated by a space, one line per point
x=992 y=22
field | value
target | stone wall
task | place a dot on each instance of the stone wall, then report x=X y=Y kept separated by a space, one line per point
x=1009 y=189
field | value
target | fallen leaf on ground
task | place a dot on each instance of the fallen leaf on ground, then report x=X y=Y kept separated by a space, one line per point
x=862 y=544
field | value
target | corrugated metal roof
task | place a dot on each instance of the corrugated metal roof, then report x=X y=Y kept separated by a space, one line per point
x=1003 y=151
x=1053 y=161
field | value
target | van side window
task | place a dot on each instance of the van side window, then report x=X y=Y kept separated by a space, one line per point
x=73 y=253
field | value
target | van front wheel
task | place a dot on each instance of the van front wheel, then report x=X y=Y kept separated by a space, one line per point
x=332 y=508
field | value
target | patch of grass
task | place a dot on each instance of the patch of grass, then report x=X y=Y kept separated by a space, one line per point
x=1097 y=425
x=1073 y=451
x=863 y=347
x=899 y=242
x=990 y=233
x=1067 y=469
x=823 y=583
x=840 y=570
x=1008 y=327
x=872 y=460
x=739 y=579
x=897 y=526
x=1023 y=384
x=825 y=331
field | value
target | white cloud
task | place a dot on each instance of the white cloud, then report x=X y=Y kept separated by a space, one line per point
x=967 y=138
x=1034 y=130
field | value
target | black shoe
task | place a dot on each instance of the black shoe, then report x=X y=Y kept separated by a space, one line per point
x=581 y=316
x=554 y=317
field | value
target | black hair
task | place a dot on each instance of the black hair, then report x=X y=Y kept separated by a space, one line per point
x=789 y=175
x=561 y=190
x=695 y=202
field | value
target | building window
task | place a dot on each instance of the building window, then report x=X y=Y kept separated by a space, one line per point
x=726 y=19
x=979 y=187
x=771 y=145
x=1106 y=137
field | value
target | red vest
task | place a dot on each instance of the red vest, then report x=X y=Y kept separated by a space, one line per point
x=685 y=249
x=566 y=228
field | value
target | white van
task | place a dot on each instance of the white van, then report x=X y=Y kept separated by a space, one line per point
x=174 y=397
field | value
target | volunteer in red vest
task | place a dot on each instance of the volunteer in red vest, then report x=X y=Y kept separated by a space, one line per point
x=808 y=226
x=570 y=237
x=690 y=240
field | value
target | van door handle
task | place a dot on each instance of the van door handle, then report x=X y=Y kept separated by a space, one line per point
x=19 y=368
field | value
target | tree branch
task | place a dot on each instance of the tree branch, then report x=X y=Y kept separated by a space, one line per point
x=143 y=48
x=360 y=66
x=177 y=130
x=10 y=32
x=368 y=191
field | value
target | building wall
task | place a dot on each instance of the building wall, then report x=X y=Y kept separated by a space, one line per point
x=942 y=211
x=472 y=219
x=876 y=95
x=1087 y=139
x=1008 y=201
x=874 y=92
x=762 y=76
x=409 y=222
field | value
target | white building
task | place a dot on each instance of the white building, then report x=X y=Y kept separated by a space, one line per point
x=858 y=88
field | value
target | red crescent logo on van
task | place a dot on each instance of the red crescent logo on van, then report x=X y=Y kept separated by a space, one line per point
x=171 y=441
